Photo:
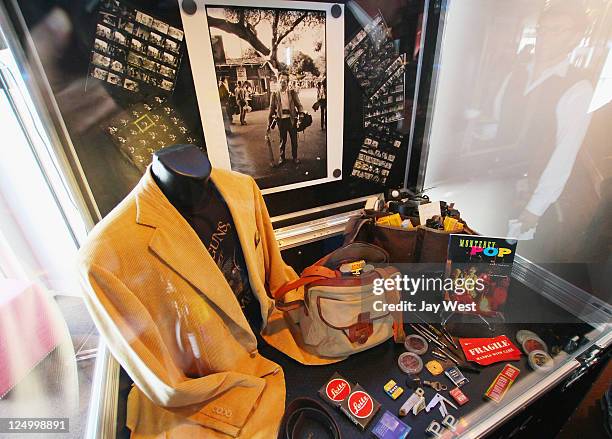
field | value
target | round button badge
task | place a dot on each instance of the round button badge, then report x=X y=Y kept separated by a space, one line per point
x=524 y=334
x=531 y=344
x=416 y=344
x=540 y=361
x=360 y=404
x=410 y=363
x=337 y=389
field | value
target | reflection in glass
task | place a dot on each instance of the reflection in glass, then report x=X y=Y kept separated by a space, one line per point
x=520 y=133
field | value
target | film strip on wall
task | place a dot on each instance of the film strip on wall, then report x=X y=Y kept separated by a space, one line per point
x=133 y=49
x=370 y=53
x=386 y=105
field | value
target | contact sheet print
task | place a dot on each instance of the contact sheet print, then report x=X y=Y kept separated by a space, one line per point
x=133 y=49
x=386 y=105
x=373 y=58
x=377 y=154
x=370 y=53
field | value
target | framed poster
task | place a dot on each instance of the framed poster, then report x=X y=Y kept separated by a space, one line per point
x=257 y=70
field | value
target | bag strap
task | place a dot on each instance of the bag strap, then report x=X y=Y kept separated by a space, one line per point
x=309 y=275
x=353 y=228
x=394 y=296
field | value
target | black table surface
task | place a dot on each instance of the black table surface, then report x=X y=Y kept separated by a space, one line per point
x=376 y=366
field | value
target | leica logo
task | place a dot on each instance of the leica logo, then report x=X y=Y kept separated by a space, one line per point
x=337 y=389
x=360 y=404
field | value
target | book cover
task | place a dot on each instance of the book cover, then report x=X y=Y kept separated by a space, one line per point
x=479 y=268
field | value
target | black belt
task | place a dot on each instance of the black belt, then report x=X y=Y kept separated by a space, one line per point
x=306 y=418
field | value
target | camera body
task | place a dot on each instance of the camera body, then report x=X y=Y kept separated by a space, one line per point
x=408 y=206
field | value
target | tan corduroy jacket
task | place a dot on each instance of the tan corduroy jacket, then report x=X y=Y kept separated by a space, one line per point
x=173 y=323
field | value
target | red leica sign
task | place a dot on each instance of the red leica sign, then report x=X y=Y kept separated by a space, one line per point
x=360 y=404
x=360 y=407
x=337 y=389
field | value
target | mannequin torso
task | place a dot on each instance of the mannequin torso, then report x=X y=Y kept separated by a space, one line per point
x=182 y=172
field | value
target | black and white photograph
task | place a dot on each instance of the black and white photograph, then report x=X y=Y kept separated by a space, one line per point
x=134 y=72
x=142 y=32
x=103 y=31
x=169 y=58
x=167 y=71
x=117 y=66
x=128 y=26
x=171 y=45
x=99 y=73
x=120 y=38
x=100 y=60
x=143 y=18
x=137 y=45
x=175 y=33
x=160 y=26
x=100 y=45
x=166 y=85
x=134 y=59
x=150 y=64
x=271 y=65
x=156 y=38
x=153 y=52
x=128 y=84
x=265 y=98
x=114 y=79
x=117 y=52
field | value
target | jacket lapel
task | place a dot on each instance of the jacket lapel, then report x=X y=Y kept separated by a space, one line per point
x=240 y=201
x=279 y=103
x=177 y=244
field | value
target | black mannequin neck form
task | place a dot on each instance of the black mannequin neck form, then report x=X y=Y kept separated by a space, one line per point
x=182 y=173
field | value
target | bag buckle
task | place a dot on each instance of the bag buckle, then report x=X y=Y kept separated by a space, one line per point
x=361 y=331
x=353 y=268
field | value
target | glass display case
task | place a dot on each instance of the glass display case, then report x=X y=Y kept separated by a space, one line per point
x=500 y=109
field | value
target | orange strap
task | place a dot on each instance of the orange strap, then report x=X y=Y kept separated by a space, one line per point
x=309 y=275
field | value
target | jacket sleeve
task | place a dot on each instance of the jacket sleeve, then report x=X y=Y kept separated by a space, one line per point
x=221 y=401
x=272 y=108
x=277 y=272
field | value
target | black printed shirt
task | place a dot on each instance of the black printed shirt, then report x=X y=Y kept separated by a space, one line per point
x=212 y=221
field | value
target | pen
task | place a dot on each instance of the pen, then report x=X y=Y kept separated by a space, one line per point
x=443 y=333
x=425 y=335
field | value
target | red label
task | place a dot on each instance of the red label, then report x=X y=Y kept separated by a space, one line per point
x=487 y=351
x=337 y=389
x=510 y=371
x=502 y=383
x=459 y=396
x=360 y=404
